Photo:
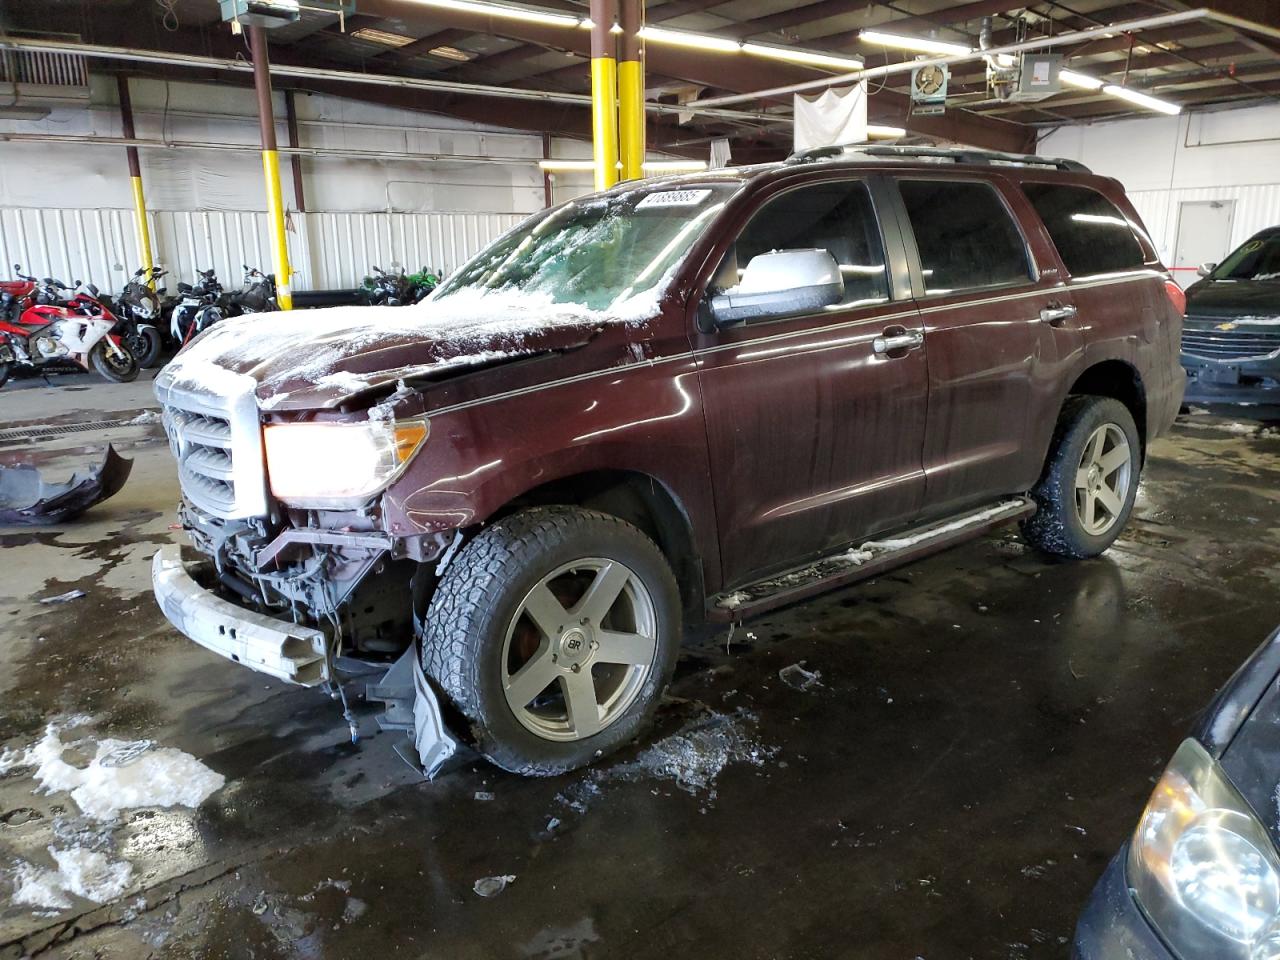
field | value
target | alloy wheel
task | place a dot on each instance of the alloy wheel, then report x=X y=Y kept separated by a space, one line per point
x=579 y=649
x=1103 y=478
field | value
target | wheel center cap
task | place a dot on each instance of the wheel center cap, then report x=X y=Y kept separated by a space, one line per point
x=574 y=648
x=1095 y=477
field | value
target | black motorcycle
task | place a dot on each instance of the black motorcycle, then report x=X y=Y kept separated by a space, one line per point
x=200 y=305
x=138 y=309
x=257 y=295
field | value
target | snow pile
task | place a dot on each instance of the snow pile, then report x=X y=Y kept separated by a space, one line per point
x=696 y=755
x=82 y=872
x=121 y=775
x=150 y=416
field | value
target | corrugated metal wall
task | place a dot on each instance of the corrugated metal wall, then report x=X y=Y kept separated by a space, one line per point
x=1256 y=206
x=328 y=250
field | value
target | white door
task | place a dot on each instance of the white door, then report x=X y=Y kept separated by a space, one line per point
x=1204 y=236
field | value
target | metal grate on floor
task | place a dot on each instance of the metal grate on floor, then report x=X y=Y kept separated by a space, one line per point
x=40 y=431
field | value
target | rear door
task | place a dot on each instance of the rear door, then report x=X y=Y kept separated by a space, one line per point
x=814 y=434
x=999 y=327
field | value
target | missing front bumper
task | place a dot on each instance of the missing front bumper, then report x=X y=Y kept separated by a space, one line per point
x=287 y=651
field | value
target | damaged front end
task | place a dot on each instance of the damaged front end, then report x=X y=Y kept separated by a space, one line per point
x=27 y=498
x=283 y=589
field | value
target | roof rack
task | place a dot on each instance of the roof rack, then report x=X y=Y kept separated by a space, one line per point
x=971 y=155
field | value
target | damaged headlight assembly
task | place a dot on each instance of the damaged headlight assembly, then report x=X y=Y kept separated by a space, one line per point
x=1202 y=866
x=323 y=465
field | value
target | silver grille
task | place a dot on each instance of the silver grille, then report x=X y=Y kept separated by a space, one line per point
x=216 y=437
x=1237 y=343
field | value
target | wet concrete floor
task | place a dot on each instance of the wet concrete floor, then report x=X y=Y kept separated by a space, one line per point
x=982 y=737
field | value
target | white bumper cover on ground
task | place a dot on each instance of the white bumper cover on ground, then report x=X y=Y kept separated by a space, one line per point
x=285 y=650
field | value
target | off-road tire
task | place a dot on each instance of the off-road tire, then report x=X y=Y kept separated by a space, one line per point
x=123 y=373
x=465 y=625
x=1056 y=527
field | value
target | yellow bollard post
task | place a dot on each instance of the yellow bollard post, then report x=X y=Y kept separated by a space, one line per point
x=143 y=230
x=271 y=168
x=604 y=94
x=631 y=119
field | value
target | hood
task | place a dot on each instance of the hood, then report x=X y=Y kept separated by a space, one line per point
x=1234 y=300
x=316 y=359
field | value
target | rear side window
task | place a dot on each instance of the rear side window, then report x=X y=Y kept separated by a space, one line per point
x=1091 y=234
x=965 y=235
x=836 y=217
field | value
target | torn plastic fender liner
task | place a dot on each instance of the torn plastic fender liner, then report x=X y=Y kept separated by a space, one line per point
x=26 y=497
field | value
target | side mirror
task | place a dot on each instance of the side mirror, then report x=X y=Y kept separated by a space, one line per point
x=780 y=283
x=1206 y=268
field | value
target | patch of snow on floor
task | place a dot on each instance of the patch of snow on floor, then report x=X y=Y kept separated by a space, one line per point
x=150 y=416
x=121 y=775
x=80 y=871
x=696 y=755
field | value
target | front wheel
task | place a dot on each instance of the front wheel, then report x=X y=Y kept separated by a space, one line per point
x=144 y=344
x=1090 y=480
x=555 y=632
x=118 y=367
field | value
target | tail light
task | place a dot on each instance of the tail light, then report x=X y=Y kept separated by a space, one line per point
x=1176 y=297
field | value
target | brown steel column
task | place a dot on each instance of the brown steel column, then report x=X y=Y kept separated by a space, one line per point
x=271 y=168
x=295 y=160
x=135 y=178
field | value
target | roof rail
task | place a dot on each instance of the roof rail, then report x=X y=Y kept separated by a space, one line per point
x=972 y=155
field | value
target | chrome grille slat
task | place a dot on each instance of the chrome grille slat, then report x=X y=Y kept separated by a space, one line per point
x=1239 y=344
x=217 y=440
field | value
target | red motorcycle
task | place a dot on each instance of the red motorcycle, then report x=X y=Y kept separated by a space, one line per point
x=42 y=329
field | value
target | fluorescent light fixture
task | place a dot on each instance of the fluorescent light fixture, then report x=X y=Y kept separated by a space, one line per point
x=914 y=44
x=674 y=166
x=1081 y=80
x=451 y=53
x=567 y=166
x=698 y=41
x=527 y=14
x=808 y=57
x=879 y=131
x=1142 y=99
x=381 y=36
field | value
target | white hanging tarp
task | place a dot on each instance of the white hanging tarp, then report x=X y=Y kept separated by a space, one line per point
x=836 y=116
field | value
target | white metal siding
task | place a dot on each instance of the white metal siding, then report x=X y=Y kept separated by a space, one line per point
x=1257 y=206
x=328 y=250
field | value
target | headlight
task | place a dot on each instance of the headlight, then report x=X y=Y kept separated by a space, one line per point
x=338 y=464
x=146 y=307
x=1203 y=867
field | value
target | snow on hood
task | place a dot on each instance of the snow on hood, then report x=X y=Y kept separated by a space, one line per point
x=307 y=359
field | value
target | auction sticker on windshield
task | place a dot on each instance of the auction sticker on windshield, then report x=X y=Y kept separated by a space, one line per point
x=674 y=198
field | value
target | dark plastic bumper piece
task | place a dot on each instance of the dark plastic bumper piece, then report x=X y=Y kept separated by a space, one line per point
x=1111 y=926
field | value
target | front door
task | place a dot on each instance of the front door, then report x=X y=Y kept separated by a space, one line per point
x=814 y=420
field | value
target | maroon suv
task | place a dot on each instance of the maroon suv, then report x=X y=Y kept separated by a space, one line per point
x=686 y=398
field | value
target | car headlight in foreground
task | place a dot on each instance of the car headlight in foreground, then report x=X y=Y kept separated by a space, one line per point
x=1203 y=867
x=338 y=464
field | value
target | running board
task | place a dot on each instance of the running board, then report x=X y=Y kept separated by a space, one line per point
x=860 y=563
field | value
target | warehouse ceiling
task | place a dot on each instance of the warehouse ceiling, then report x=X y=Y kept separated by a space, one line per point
x=1200 y=64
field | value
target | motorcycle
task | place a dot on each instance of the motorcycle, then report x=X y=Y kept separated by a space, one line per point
x=138 y=309
x=258 y=294
x=394 y=289
x=53 y=330
x=421 y=284
x=21 y=290
x=199 y=307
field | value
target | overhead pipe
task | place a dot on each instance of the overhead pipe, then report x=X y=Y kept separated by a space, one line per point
x=200 y=62
x=271 y=168
x=604 y=94
x=1062 y=39
x=631 y=123
x=135 y=179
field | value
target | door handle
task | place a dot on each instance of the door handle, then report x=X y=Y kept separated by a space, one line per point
x=1057 y=316
x=907 y=340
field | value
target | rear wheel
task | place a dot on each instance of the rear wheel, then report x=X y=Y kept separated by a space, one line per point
x=555 y=631
x=119 y=367
x=5 y=369
x=1090 y=480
